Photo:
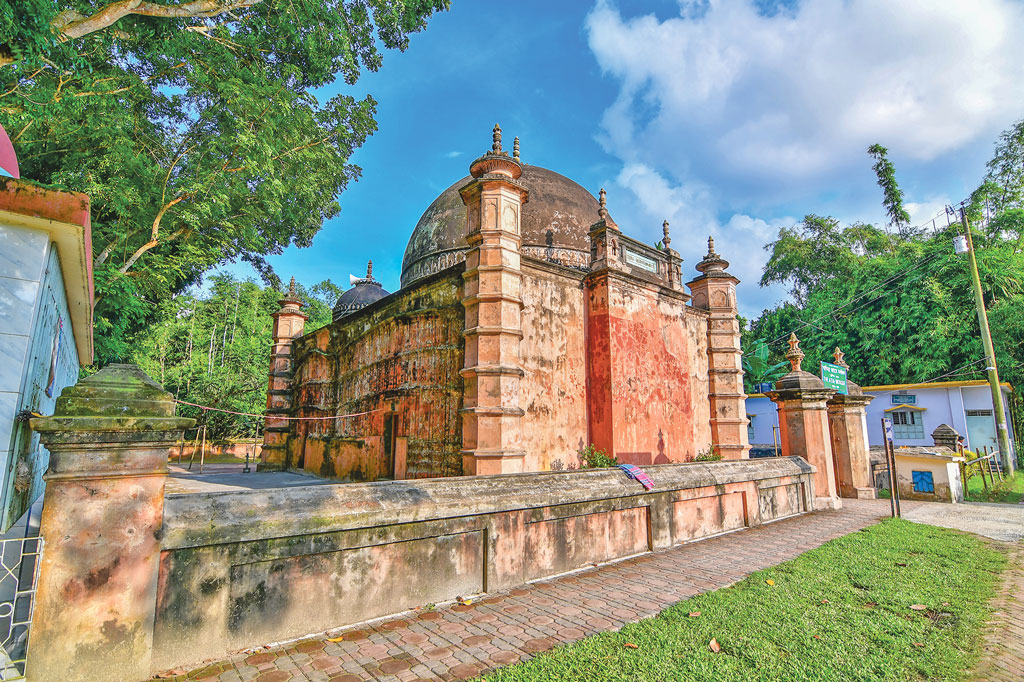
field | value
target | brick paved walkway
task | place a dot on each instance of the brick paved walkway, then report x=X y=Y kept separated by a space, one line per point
x=461 y=641
x=1004 y=638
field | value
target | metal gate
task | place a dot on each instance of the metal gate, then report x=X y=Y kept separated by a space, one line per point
x=19 y=574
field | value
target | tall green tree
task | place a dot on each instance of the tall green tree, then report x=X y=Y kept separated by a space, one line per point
x=892 y=195
x=902 y=307
x=213 y=348
x=195 y=127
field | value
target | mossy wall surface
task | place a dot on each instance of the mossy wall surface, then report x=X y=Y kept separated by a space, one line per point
x=396 y=364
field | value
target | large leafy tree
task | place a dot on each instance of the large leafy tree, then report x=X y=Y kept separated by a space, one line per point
x=196 y=127
x=901 y=307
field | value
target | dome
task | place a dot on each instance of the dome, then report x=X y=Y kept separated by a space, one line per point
x=363 y=292
x=555 y=225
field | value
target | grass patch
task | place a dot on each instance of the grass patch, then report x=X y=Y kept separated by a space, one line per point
x=840 y=612
x=1008 y=491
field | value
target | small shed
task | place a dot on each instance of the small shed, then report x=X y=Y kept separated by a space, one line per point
x=929 y=475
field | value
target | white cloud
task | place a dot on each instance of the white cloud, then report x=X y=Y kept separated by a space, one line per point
x=688 y=208
x=453 y=155
x=774 y=100
x=723 y=111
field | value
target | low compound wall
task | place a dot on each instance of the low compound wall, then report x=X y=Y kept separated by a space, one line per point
x=242 y=568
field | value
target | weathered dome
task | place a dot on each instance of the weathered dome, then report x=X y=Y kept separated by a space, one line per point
x=363 y=292
x=555 y=225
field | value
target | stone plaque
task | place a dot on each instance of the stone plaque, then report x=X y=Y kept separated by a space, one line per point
x=640 y=261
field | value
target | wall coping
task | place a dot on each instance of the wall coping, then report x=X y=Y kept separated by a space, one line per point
x=201 y=519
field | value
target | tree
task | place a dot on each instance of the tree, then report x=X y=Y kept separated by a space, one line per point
x=194 y=126
x=213 y=348
x=902 y=309
x=892 y=195
x=1004 y=181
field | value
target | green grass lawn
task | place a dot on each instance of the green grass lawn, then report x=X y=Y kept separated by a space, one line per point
x=1008 y=491
x=840 y=612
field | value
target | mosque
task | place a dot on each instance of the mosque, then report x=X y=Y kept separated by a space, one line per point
x=528 y=326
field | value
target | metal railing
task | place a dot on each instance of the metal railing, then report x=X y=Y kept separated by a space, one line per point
x=19 y=575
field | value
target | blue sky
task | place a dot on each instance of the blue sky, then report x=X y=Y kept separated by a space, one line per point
x=727 y=118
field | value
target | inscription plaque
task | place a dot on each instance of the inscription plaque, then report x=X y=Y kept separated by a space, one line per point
x=639 y=260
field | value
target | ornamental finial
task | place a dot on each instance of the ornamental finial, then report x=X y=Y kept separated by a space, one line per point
x=666 y=240
x=838 y=356
x=291 y=289
x=602 y=199
x=369 y=269
x=515 y=148
x=711 y=246
x=795 y=355
x=496 y=139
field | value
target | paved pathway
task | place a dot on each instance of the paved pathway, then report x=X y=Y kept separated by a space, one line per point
x=1003 y=660
x=221 y=477
x=461 y=641
x=997 y=521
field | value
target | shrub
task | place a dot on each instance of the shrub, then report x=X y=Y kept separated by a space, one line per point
x=592 y=458
x=709 y=455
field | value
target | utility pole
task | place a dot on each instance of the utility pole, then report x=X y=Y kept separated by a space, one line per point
x=1002 y=433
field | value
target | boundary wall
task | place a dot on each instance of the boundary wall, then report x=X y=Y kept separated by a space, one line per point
x=241 y=568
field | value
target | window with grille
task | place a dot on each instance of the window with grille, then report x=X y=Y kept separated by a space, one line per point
x=907 y=425
x=750 y=430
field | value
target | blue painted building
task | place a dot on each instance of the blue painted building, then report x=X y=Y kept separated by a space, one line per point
x=915 y=409
x=46 y=303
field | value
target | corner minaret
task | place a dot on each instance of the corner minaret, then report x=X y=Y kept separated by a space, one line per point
x=491 y=414
x=289 y=322
x=715 y=291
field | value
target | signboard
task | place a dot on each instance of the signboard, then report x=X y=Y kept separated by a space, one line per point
x=640 y=261
x=904 y=399
x=834 y=377
x=887 y=423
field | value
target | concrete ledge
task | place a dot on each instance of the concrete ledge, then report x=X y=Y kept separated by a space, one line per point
x=193 y=520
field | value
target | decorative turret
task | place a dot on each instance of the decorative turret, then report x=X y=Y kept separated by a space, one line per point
x=794 y=355
x=665 y=239
x=713 y=265
x=714 y=290
x=497 y=162
x=289 y=323
x=364 y=291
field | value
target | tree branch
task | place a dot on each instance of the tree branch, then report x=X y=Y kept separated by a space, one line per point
x=71 y=24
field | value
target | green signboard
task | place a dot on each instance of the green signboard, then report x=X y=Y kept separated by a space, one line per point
x=834 y=377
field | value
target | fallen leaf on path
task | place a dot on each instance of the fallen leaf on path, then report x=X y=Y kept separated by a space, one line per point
x=336 y=639
x=817 y=637
x=918 y=644
x=900 y=564
x=714 y=645
x=694 y=614
x=825 y=601
x=630 y=645
x=171 y=673
x=770 y=581
x=918 y=607
x=871 y=604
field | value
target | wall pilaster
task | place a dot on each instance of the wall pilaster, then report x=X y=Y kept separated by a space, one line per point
x=491 y=414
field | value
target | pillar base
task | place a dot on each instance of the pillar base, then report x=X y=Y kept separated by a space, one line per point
x=827 y=503
x=858 y=493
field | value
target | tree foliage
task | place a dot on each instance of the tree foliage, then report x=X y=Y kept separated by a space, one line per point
x=213 y=348
x=892 y=195
x=194 y=126
x=901 y=308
